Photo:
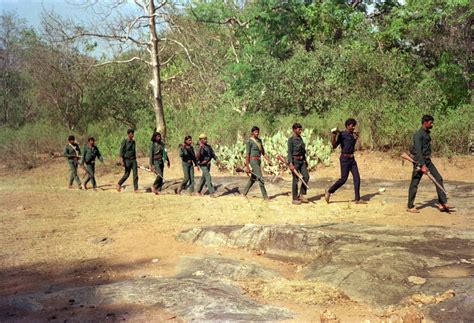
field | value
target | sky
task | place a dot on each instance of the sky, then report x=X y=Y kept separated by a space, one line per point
x=31 y=10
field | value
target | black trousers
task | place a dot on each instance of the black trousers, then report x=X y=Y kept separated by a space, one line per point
x=348 y=165
x=415 y=180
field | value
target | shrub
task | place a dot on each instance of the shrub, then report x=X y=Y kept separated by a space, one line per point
x=317 y=150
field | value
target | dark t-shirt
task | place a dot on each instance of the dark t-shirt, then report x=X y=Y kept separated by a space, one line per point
x=347 y=141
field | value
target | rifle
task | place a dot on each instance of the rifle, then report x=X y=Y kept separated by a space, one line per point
x=150 y=171
x=241 y=170
x=410 y=159
x=281 y=159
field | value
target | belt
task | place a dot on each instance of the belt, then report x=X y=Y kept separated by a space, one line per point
x=298 y=157
x=255 y=157
x=347 y=155
x=157 y=158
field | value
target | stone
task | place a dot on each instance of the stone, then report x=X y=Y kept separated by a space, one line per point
x=369 y=263
x=382 y=189
x=20 y=208
x=411 y=315
x=416 y=280
x=208 y=297
x=328 y=317
x=155 y=261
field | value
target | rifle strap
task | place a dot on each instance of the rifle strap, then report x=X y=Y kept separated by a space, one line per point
x=75 y=149
x=258 y=144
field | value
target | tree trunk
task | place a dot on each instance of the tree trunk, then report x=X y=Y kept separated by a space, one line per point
x=156 y=81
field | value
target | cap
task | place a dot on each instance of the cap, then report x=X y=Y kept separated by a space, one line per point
x=202 y=136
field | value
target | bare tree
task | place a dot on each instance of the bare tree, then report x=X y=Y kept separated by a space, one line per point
x=142 y=27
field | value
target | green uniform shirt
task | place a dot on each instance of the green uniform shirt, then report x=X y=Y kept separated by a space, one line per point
x=157 y=152
x=421 y=147
x=127 y=149
x=253 y=149
x=187 y=154
x=71 y=151
x=205 y=154
x=89 y=154
x=296 y=148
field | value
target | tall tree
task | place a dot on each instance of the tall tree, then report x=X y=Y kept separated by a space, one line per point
x=124 y=27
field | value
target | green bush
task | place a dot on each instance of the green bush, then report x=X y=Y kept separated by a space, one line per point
x=317 y=150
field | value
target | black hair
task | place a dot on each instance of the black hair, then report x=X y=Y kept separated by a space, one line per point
x=426 y=117
x=130 y=131
x=351 y=121
x=71 y=137
x=153 y=137
x=187 y=137
x=297 y=126
x=91 y=138
x=255 y=128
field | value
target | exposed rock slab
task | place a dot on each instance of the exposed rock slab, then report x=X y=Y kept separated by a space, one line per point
x=369 y=263
x=206 y=296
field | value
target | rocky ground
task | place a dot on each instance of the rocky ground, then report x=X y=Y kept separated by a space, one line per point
x=94 y=256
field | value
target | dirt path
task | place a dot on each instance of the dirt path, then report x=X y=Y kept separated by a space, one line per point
x=53 y=237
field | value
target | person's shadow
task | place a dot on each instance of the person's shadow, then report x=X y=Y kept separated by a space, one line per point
x=230 y=191
x=316 y=198
x=368 y=197
x=432 y=203
x=279 y=194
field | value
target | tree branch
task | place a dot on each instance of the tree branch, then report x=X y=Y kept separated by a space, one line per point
x=160 y=5
x=115 y=37
x=168 y=60
x=184 y=47
x=136 y=58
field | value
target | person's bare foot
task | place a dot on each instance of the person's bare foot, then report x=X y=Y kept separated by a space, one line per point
x=303 y=199
x=444 y=207
x=360 y=202
x=296 y=202
x=327 y=196
x=136 y=191
x=118 y=188
x=198 y=194
x=413 y=210
x=84 y=187
x=70 y=187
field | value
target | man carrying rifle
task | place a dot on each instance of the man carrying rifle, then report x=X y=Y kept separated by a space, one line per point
x=188 y=158
x=73 y=153
x=347 y=139
x=89 y=154
x=253 y=158
x=129 y=159
x=421 y=150
x=158 y=156
x=204 y=155
x=297 y=163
